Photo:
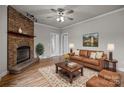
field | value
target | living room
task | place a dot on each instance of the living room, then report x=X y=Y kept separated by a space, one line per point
x=66 y=33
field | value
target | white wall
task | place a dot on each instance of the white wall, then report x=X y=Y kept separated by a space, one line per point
x=110 y=28
x=3 y=40
x=42 y=33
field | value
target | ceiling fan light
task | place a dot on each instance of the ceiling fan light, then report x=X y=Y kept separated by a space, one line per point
x=58 y=19
x=62 y=19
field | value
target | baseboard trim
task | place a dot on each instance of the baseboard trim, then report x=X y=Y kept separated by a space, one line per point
x=3 y=74
x=121 y=69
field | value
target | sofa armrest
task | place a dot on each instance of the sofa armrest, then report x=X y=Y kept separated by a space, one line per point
x=102 y=60
x=101 y=63
x=104 y=57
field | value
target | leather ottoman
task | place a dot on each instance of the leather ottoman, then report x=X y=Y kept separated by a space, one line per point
x=96 y=81
x=111 y=76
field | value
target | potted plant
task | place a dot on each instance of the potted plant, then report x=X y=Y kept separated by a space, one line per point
x=39 y=50
x=66 y=57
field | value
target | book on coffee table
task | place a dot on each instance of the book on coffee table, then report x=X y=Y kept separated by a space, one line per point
x=72 y=64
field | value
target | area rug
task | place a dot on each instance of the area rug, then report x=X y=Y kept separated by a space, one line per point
x=57 y=80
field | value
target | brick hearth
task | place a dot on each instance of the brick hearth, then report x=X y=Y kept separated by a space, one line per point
x=15 y=21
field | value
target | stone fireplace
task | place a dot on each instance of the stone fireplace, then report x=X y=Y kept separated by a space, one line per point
x=20 y=45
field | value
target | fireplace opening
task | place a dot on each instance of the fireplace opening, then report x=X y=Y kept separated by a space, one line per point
x=23 y=54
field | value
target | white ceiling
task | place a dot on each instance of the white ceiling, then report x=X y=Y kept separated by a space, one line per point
x=81 y=12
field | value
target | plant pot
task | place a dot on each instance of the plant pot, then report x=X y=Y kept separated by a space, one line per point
x=38 y=59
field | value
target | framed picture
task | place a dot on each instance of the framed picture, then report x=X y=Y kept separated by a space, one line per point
x=90 y=40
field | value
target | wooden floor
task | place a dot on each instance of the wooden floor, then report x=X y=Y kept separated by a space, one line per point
x=31 y=77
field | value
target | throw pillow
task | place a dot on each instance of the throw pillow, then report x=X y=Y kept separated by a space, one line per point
x=93 y=55
x=99 y=55
x=77 y=52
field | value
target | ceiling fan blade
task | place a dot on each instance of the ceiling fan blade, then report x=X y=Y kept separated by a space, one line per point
x=53 y=10
x=70 y=12
x=70 y=18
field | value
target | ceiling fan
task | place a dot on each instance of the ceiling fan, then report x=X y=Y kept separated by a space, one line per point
x=61 y=14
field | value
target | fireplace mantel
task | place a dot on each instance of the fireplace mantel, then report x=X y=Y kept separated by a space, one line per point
x=20 y=34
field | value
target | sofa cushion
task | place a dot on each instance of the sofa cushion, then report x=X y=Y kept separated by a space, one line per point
x=91 y=61
x=79 y=58
x=89 y=52
x=83 y=53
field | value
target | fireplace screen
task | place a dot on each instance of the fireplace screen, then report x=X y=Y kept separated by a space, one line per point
x=23 y=54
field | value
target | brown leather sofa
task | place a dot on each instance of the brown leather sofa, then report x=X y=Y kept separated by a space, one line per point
x=84 y=58
x=105 y=79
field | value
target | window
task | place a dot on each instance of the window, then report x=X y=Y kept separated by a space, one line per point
x=54 y=44
x=64 y=43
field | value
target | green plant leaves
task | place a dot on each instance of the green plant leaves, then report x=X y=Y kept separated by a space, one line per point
x=39 y=49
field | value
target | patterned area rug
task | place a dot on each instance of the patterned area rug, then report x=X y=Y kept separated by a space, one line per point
x=59 y=80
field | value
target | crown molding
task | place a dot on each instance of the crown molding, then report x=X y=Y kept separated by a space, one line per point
x=94 y=18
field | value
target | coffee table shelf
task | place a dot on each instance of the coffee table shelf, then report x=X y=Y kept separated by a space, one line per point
x=71 y=73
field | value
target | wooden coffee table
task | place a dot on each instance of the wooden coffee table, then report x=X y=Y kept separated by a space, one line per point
x=71 y=73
